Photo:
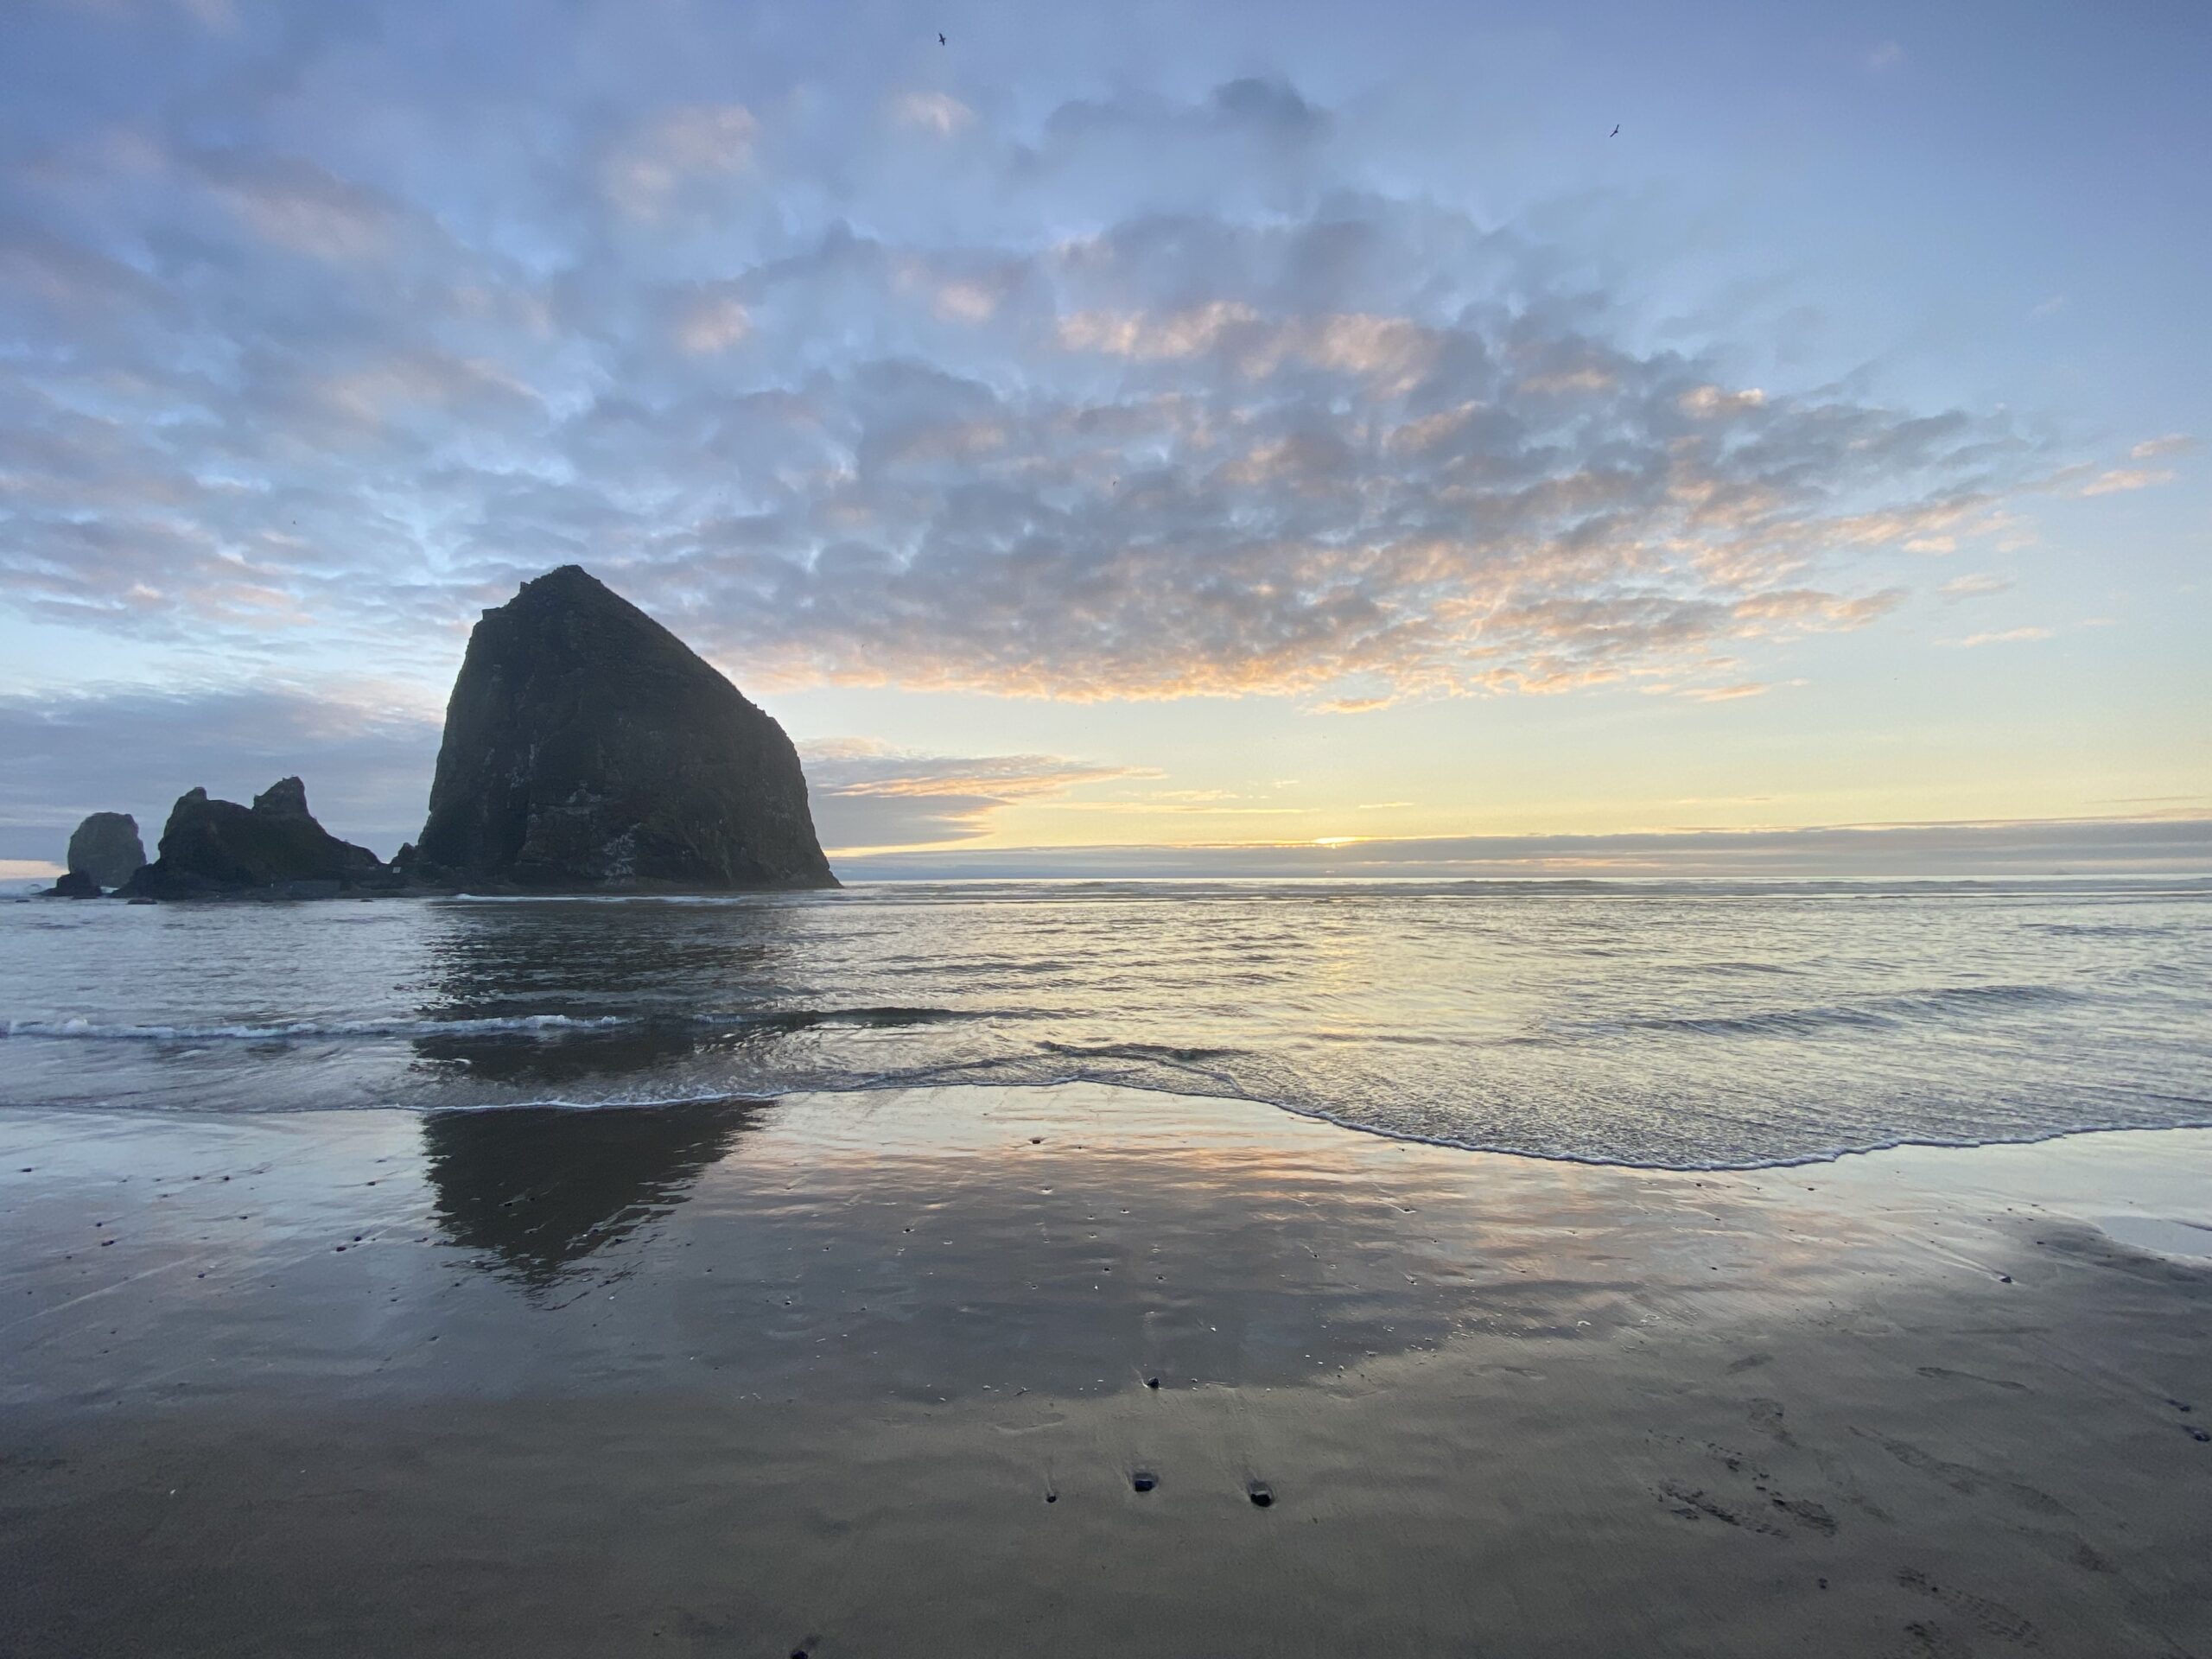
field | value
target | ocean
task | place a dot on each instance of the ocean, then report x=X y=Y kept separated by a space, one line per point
x=1678 y=1027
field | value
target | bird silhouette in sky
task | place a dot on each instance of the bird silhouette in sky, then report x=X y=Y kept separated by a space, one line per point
x=1615 y=133
x=940 y=37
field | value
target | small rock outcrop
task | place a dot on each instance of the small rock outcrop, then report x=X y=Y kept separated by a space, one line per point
x=587 y=748
x=213 y=849
x=75 y=884
x=105 y=846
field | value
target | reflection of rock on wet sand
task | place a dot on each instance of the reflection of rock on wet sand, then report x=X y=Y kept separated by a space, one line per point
x=542 y=1188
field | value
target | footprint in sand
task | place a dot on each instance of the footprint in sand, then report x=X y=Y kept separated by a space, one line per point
x=1990 y=1618
x=1807 y=1513
x=1693 y=1504
x=1931 y=1641
x=1963 y=1478
x=1767 y=1415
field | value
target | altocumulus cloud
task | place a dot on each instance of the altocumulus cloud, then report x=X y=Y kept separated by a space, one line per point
x=1136 y=396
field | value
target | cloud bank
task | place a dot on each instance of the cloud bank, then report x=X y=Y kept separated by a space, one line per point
x=1140 y=396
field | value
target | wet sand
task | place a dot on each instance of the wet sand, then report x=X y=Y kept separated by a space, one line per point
x=872 y=1374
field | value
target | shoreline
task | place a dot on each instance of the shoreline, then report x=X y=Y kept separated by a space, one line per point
x=750 y=1376
x=378 y=1030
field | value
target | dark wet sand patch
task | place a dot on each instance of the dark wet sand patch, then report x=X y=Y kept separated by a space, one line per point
x=774 y=1379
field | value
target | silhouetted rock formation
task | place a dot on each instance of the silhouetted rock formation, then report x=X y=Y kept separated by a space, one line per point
x=211 y=848
x=105 y=848
x=75 y=884
x=588 y=747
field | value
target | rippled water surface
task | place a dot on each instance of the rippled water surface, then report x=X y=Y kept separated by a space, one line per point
x=1674 y=1026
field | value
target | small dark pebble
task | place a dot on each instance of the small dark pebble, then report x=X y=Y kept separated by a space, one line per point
x=2004 y=1278
x=1143 y=1481
x=106 y=1242
x=1258 y=1492
x=1051 y=1497
x=2178 y=1405
x=2199 y=1435
x=1824 y=1584
x=1152 y=1382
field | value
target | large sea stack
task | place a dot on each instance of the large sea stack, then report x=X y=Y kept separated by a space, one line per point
x=587 y=748
x=105 y=849
x=213 y=849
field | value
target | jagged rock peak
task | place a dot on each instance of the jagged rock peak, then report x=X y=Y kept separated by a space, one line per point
x=285 y=798
x=587 y=747
x=212 y=848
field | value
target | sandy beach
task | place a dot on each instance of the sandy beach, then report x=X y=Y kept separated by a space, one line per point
x=875 y=1374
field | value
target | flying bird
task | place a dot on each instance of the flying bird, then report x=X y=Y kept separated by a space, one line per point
x=940 y=37
x=1615 y=133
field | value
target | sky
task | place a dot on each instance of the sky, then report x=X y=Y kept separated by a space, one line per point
x=1138 y=438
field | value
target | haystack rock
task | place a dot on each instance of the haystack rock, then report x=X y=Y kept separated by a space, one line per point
x=107 y=849
x=212 y=848
x=588 y=748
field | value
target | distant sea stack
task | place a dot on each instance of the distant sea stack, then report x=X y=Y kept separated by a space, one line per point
x=587 y=748
x=105 y=849
x=213 y=849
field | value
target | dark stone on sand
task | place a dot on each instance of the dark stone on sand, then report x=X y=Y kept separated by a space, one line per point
x=213 y=849
x=1259 y=1492
x=75 y=884
x=105 y=848
x=587 y=747
x=1152 y=1382
x=1144 y=1480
